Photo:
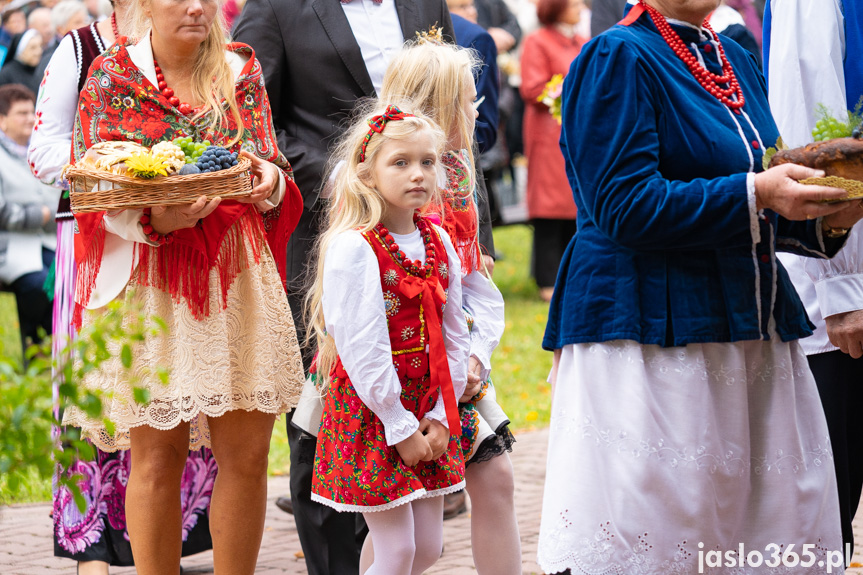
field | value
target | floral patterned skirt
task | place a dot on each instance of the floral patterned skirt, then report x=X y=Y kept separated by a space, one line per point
x=355 y=469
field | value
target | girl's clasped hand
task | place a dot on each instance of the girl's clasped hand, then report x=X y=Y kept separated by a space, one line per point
x=417 y=447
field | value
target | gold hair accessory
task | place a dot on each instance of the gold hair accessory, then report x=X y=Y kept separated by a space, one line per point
x=433 y=35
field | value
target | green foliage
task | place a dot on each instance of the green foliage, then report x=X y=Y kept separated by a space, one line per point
x=28 y=453
x=519 y=365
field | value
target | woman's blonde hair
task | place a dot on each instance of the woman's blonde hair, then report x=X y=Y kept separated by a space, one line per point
x=212 y=77
x=435 y=76
x=354 y=205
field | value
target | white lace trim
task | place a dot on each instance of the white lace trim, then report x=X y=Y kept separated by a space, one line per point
x=418 y=494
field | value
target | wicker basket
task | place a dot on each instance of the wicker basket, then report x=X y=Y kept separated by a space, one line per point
x=93 y=190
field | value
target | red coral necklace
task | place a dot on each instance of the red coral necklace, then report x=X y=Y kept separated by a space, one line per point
x=708 y=80
x=166 y=91
x=417 y=267
x=114 y=27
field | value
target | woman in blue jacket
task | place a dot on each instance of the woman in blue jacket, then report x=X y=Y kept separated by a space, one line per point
x=684 y=416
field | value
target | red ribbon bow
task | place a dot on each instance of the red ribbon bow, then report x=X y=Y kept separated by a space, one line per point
x=434 y=296
x=378 y=123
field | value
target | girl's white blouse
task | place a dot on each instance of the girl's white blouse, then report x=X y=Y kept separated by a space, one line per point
x=355 y=316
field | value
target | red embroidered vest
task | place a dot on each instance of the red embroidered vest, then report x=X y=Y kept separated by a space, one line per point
x=408 y=328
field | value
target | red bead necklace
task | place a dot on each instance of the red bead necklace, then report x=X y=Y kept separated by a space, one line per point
x=114 y=27
x=708 y=80
x=166 y=91
x=416 y=268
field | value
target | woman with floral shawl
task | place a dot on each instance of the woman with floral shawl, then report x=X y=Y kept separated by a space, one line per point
x=212 y=270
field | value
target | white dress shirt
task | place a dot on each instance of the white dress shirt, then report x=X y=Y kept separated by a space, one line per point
x=378 y=32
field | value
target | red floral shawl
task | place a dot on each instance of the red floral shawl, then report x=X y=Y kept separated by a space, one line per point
x=457 y=210
x=119 y=103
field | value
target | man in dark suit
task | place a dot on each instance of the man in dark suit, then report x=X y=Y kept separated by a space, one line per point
x=319 y=57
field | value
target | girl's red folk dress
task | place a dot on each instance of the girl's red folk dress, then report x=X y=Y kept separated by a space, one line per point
x=355 y=469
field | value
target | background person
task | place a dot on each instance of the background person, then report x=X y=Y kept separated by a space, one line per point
x=22 y=65
x=40 y=20
x=66 y=16
x=546 y=52
x=27 y=239
x=801 y=76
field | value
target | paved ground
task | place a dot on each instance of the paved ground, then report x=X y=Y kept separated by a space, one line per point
x=26 y=546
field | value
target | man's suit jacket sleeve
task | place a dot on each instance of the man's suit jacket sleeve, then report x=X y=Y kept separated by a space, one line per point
x=488 y=86
x=258 y=26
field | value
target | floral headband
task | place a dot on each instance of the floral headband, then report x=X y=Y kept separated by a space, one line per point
x=378 y=123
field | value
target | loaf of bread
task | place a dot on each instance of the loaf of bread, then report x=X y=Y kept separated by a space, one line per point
x=842 y=157
x=109 y=156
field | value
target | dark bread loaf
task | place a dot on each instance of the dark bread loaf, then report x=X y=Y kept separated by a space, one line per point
x=841 y=157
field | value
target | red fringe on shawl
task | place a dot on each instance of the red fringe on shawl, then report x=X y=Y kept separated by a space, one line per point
x=464 y=239
x=280 y=222
x=88 y=260
x=184 y=272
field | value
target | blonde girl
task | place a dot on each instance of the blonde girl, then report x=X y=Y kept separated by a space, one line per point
x=439 y=78
x=385 y=309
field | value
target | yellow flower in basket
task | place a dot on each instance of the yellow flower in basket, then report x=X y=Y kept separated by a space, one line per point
x=146 y=165
x=551 y=95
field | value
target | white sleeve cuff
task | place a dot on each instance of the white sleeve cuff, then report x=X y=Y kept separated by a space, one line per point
x=275 y=198
x=754 y=227
x=481 y=350
x=399 y=423
x=438 y=412
x=127 y=225
x=840 y=294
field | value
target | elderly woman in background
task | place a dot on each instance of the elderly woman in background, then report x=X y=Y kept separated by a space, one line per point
x=26 y=216
x=96 y=537
x=212 y=270
x=548 y=51
x=21 y=65
x=684 y=415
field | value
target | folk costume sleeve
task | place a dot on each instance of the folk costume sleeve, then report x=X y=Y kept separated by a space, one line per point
x=51 y=141
x=353 y=304
x=611 y=95
x=456 y=335
x=485 y=303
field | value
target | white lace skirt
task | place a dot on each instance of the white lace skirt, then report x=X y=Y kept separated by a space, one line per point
x=245 y=356
x=654 y=451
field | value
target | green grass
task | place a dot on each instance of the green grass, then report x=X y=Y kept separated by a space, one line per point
x=519 y=366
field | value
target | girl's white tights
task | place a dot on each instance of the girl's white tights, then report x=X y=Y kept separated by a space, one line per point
x=407 y=539
x=493 y=528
